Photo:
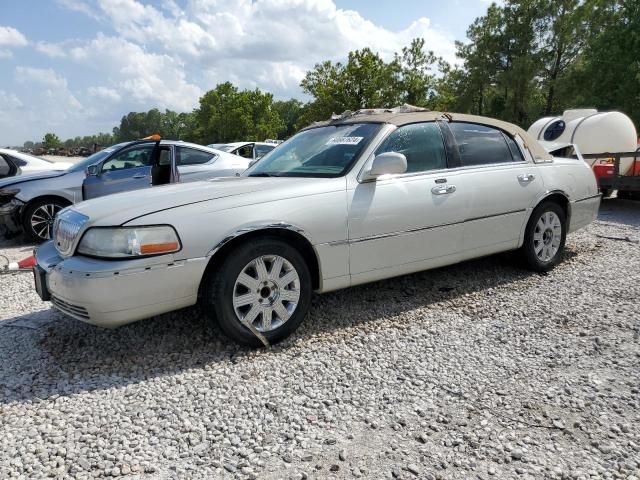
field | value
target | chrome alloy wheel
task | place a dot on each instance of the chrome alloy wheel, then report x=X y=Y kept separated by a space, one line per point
x=547 y=236
x=42 y=219
x=266 y=292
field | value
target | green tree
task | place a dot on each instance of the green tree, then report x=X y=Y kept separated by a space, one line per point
x=226 y=114
x=51 y=140
x=416 y=69
x=289 y=112
x=607 y=73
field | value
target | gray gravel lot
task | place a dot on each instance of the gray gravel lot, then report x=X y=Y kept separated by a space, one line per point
x=480 y=370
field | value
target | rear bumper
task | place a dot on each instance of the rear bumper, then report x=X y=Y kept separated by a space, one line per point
x=109 y=294
x=583 y=212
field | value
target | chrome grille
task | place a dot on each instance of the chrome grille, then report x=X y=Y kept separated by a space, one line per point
x=75 y=311
x=66 y=227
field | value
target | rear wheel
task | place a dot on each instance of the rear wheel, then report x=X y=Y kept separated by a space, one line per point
x=545 y=237
x=264 y=287
x=37 y=221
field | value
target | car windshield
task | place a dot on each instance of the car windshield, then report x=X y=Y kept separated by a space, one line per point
x=95 y=158
x=328 y=151
x=225 y=147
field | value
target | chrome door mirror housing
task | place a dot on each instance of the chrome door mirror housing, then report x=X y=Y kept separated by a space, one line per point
x=388 y=163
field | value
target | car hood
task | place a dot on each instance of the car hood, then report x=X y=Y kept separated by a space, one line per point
x=31 y=176
x=124 y=207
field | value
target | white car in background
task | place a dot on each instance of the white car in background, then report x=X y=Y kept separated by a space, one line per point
x=14 y=163
x=250 y=150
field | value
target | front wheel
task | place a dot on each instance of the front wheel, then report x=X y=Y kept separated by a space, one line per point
x=37 y=221
x=545 y=237
x=264 y=287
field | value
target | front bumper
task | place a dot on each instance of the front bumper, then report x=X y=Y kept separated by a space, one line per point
x=10 y=216
x=112 y=293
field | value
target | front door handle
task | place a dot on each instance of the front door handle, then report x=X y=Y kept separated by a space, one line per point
x=139 y=175
x=443 y=189
x=526 y=177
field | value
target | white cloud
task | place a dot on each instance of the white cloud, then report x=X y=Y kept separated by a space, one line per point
x=145 y=79
x=10 y=37
x=166 y=53
x=79 y=6
x=104 y=93
x=53 y=50
x=9 y=101
x=43 y=76
x=266 y=44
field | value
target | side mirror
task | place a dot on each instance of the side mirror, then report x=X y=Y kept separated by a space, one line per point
x=92 y=170
x=253 y=162
x=388 y=163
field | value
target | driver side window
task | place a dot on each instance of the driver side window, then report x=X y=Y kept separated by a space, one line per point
x=420 y=143
x=132 y=158
x=245 y=151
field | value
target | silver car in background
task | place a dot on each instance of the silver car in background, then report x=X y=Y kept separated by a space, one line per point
x=30 y=203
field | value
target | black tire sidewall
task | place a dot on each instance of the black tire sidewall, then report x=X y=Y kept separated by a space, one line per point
x=530 y=256
x=221 y=282
x=28 y=213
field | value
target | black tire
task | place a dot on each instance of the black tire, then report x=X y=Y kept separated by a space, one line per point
x=41 y=232
x=531 y=243
x=220 y=288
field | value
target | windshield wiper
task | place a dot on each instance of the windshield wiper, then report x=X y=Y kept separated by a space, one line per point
x=263 y=174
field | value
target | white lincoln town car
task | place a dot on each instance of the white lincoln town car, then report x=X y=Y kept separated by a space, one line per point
x=365 y=196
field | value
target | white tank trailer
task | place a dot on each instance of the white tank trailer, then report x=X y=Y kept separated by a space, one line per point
x=592 y=131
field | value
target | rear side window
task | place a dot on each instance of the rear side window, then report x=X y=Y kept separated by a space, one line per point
x=513 y=148
x=481 y=145
x=191 y=156
x=4 y=167
x=420 y=143
x=18 y=162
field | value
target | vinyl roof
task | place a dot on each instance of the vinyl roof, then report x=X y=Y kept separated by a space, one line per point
x=407 y=114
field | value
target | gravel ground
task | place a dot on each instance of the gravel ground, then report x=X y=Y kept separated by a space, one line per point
x=480 y=370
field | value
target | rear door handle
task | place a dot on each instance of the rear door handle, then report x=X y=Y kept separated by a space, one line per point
x=526 y=177
x=443 y=189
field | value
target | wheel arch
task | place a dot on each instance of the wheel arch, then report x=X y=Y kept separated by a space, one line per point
x=65 y=201
x=289 y=233
x=557 y=196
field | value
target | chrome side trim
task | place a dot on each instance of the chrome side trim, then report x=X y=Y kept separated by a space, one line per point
x=415 y=230
x=588 y=198
x=254 y=228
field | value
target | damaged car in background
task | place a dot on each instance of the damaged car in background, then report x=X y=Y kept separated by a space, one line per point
x=366 y=196
x=30 y=204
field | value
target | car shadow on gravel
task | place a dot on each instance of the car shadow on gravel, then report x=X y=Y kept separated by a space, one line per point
x=617 y=210
x=67 y=357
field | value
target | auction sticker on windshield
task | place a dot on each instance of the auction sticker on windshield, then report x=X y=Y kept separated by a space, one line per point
x=344 y=140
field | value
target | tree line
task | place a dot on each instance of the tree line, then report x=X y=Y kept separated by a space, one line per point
x=523 y=59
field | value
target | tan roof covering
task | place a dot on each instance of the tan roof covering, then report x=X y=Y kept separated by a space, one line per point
x=407 y=114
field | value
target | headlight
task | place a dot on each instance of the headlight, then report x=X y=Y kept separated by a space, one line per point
x=127 y=242
x=6 y=194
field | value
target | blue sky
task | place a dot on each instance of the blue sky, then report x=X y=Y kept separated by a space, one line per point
x=75 y=67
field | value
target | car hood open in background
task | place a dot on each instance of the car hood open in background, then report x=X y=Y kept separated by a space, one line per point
x=238 y=191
